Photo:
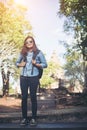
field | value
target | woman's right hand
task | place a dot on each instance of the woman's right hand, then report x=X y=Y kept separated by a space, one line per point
x=22 y=64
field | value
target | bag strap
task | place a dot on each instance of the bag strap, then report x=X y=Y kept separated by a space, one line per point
x=34 y=56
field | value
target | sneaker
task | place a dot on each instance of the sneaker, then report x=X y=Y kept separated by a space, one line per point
x=24 y=122
x=33 y=122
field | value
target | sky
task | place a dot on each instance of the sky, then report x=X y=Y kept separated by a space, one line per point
x=47 y=26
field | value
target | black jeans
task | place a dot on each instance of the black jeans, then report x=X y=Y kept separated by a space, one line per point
x=32 y=84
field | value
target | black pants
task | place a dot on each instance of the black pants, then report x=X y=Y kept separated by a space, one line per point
x=32 y=84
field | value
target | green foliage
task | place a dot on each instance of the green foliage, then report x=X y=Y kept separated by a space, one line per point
x=72 y=7
x=13 y=24
x=11 y=90
x=46 y=81
x=12 y=33
x=47 y=78
x=76 y=14
x=75 y=11
x=74 y=65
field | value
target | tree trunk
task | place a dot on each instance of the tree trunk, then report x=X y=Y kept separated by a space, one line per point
x=85 y=77
x=5 y=80
x=86 y=74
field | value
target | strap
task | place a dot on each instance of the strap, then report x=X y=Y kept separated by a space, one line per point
x=34 y=56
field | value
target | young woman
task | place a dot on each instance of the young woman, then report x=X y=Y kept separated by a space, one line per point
x=27 y=78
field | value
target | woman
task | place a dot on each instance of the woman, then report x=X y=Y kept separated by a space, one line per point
x=27 y=78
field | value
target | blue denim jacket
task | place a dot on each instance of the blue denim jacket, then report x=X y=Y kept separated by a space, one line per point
x=26 y=70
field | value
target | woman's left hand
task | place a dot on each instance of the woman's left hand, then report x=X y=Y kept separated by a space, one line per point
x=33 y=62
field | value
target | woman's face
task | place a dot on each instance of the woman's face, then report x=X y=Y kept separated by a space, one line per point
x=29 y=43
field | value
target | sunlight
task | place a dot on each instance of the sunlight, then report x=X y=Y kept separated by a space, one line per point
x=20 y=2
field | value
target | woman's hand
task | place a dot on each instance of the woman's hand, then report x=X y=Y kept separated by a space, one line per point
x=34 y=62
x=22 y=64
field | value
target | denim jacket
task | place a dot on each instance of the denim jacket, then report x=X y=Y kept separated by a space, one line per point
x=27 y=69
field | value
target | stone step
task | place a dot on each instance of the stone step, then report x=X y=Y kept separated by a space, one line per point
x=62 y=115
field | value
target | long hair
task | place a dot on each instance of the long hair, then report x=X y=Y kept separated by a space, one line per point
x=25 y=49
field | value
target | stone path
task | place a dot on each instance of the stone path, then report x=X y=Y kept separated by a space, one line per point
x=46 y=125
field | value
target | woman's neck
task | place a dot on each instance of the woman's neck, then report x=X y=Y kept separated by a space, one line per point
x=30 y=50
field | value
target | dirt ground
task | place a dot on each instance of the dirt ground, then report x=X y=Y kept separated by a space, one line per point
x=9 y=104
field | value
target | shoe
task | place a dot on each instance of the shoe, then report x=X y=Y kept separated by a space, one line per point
x=33 y=122
x=24 y=122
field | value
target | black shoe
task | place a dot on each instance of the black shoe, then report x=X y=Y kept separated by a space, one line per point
x=24 y=122
x=33 y=122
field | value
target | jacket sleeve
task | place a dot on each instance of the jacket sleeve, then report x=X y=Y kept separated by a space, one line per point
x=43 y=61
x=20 y=58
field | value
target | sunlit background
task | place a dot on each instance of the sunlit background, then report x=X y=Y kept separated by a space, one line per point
x=47 y=26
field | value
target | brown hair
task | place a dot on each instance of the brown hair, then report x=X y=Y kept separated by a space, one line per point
x=25 y=49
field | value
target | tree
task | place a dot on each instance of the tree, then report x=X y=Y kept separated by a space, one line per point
x=74 y=66
x=52 y=73
x=5 y=79
x=75 y=11
x=13 y=25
